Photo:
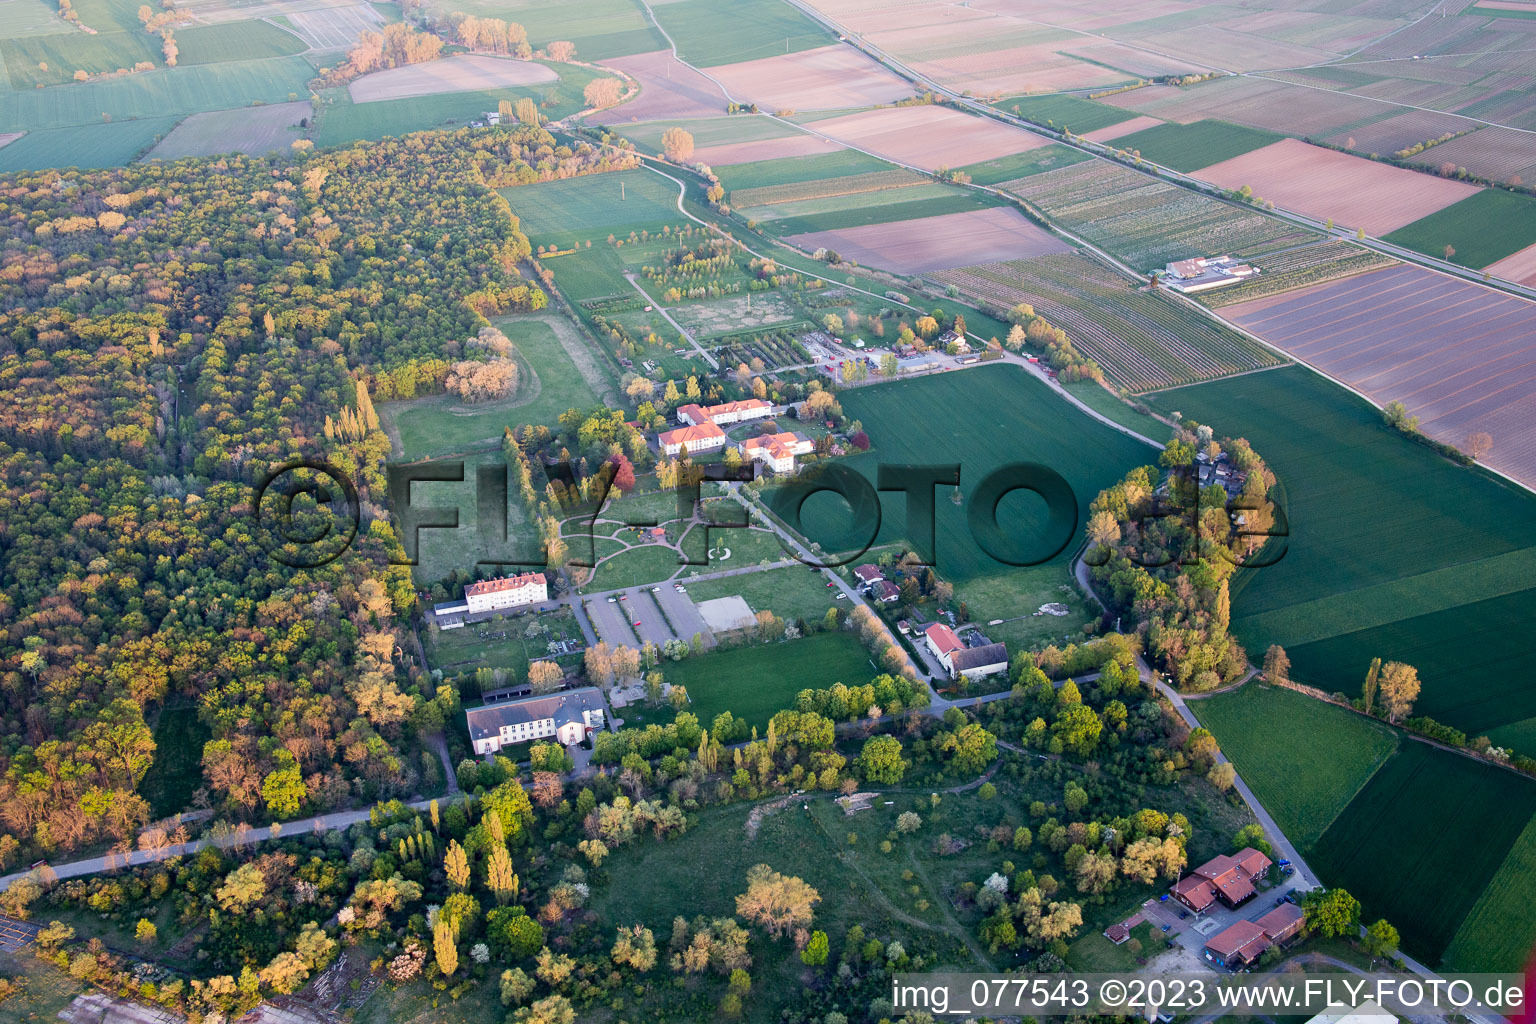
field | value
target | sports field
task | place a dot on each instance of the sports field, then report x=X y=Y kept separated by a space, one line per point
x=1394 y=552
x=981 y=418
x=713 y=32
x=1305 y=759
x=755 y=682
x=564 y=213
x=1481 y=229
x=1189 y=147
x=89 y=145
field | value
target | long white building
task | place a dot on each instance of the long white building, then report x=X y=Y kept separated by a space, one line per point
x=492 y=595
x=567 y=717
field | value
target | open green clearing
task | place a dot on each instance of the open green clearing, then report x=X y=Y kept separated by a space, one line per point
x=1394 y=552
x=1014 y=596
x=1189 y=147
x=650 y=563
x=573 y=210
x=1483 y=228
x=1500 y=930
x=440 y=424
x=442 y=551
x=982 y=418
x=758 y=681
x=31 y=18
x=463 y=650
x=1065 y=112
x=177 y=768
x=1094 y=954
x=707 y=131
x=89 y=145
x=1305 y=759
x=1022 y=165
x=1421 y=842
x=714 y=32
x=599 y=28
x=793 y=592
x=66 y=53
x=790 y=169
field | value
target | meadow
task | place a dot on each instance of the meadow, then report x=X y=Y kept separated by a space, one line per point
x=1305 y=759
x=1483 y=228
x=599 y=28
x=863 y=208
x=1189 y=147
x=68 y=52
x=88 y=145
x=792 y=592
x=1421 y=842
x=567 y=212
x=441 y=424
x=713 y=32
x=795 y=169
x=1393 y=552
x=756 y=682
x=1022 y=165
x=1500 y=930
x=1065 y=112
x=982 y=418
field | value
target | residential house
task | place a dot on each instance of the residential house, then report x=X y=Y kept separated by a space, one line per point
x=1243 y=942
x=1229 y=879
x=776 y=451
x=885 y=592
x=490 y=596
x=977 y=662
x=868 y=573
x=568 y=717
x=941 y=640
x=705 y=437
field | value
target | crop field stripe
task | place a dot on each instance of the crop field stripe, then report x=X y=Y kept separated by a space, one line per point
x=1499 y=932
x=709 y=33
x=1063 y=111
x=91 y=145
x=1022 y=165
x=878 y=213
x=1189 y=147
x=793 y=169
x=593 y=206
x=853 y=184
x=1483 y=228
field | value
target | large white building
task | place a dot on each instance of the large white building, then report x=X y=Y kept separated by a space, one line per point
x=1203 y=273
x=507 y=592
x=725 y=412
x=704 y=437
x=776 y=451
x=567 y=717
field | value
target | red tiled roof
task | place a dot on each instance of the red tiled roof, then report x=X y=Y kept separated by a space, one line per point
x=869 y=573
x=1243 y=939
x=943 y=638
x=1252 y=861
x=682 y=435
x=1282 y=922
x=693 y=412
x=505 y=583
x=1198 y=892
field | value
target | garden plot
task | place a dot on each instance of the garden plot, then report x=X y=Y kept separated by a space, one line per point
x=464 y=73
x=252 y=130
x=335 y=28
x=937 y=243
x=668 y=89
x=928 y=137
x=739 y=313
x=827 y=78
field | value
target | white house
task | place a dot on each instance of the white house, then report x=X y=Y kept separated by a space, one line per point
x=726 y=412
x=941 y=640
x=507 y=592
x=567 y=717
x=1203 y=273
x=776 y=451
x=976 y=662
x=704 y=437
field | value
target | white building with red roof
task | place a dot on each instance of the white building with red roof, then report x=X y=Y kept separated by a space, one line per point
x=703 y=437
x=776 y=451
x=941 y=640
x=507 y=592
x=726 y=412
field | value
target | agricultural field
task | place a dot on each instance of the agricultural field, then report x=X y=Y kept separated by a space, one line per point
x=1305 y=759
x=1116 y=131
x=864 y=208
x=983 y=418
x=756 y=682
x=87 y=145
x=1357 y=579
x=813 y=171
x=709 y=33
x=1481 y=230
x=551 y=382
x=710 y=132
x=937 y=243
x=1312 y=263
x=44 y=60
x=1453 y=352
x=1474 y=811
x=1065 y=113
x=926 y=136
x=574 y=210
x=464 y=73
x=824 y=188
x=1502 y=154
x=827 y=78
x=1281 y=107
x=1022 y=165
x=334 y=28
x=1500 y=930
x=1520 y=268
x=1148 y=223
x=253 y=130
x=599 y=28
x=1141 y=341
x=1324 y=184
x=668 y=89
x=1189 y=147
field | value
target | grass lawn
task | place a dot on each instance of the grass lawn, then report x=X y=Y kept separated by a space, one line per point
x=786 y=170
x=177 y=769
x=793 y=592
x=755 y=682
x=1304 y=759
x=1189 y=147
x=574 y=210
x=1015 y=595
x=115 y=144
x=1094 y=954
x=1500 y=931
x=1483 y=228
x=463 y=650
x=649 y=564
x=1021 y=165
x=1423 y=840
x=44 y=990
x=714 y=32
x=1063 y=112
x=1353 y=585
x=440 y=423
x=1102 y=401
x=747 y=547
x=441 y=550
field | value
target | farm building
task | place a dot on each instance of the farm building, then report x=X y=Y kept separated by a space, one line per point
x=492 y=595
x=704 y=437
x=1242 y=943
x=1203 y=273
x=1229 y=879
x=569 y=717
x=977 y=662
x=941 y=640
x=776 y=451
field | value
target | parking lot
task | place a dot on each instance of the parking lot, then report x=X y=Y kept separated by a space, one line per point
x=642 y=608
x=612 y=621
x=684 y=615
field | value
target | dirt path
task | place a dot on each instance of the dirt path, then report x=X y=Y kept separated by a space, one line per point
x=576 y=346
x=943 y=904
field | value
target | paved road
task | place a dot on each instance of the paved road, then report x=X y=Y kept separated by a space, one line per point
x=714 y=364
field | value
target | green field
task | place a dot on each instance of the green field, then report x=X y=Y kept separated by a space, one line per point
x=786 y=170
x=1423 y=840
x=599 y=28
x=1500 y=931
x=1189 y=147
x=713 y=32
x=1022 y=165
x=636 y=567
x=1102 y=401
x=793 y=592
x=755 y=682
x=1394 y=552
x=863 y=208
x=66 y=53
x=564 y=213
x=31 y=18
x=1065 y=112
x=1305 y=759
x=89 y=145
x=177 y=769
x=159 y=93
x=708 y=131
x=439 y=424
x=981 y=418
x=1483 y=228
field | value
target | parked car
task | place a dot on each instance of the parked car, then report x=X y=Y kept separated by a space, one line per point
x=613 y=600
x=637 y=623
x=680 y=588
x=839 y=596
